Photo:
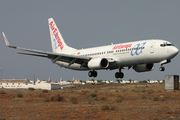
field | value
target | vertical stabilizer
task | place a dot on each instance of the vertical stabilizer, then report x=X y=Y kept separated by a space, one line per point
x=57 y=41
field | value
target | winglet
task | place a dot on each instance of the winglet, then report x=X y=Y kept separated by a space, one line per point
x=6 y=41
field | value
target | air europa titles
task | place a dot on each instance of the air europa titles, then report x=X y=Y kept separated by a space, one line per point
x=122 y=46
x=55 y=33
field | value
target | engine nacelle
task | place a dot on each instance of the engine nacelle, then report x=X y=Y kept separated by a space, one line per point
x=98 y=63
x=143 y=67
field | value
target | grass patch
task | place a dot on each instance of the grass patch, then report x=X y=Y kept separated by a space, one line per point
x=73 y=100
x=84 y=91
x=103 y=99
x=19 y=99
x=46 y=100
x=104 y=107
x=119 y=99
x=107 y=107
x=143 y=96
x=150 y=91
x=156 y=98
x=93 y=95
x=113 y=107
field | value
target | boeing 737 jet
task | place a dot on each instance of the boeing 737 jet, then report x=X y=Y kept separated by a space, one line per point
x=139 y=55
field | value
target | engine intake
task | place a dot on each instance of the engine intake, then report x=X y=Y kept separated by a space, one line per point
x=98 y=63
x=143 y=67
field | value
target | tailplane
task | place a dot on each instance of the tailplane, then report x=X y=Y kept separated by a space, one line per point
x=57 y=41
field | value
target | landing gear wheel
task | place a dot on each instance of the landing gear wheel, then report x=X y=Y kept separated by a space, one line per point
x=92 y=73
x=119 y=75
x=162 y=69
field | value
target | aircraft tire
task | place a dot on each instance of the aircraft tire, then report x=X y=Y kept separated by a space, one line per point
x=117 y=75
x=162 y=68
x=121 y=75
x=94 y=73
x=90 y=73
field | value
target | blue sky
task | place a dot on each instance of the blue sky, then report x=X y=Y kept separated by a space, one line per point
x=84 y=24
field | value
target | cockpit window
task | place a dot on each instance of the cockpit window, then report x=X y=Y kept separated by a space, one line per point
x=166 y=44
x=170 y=45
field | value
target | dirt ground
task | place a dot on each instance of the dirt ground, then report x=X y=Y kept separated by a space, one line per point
x=106 y=102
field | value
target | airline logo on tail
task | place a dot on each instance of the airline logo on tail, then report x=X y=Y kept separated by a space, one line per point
x=55 y=33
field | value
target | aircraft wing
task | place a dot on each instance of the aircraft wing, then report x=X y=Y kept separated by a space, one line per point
x=53 y=56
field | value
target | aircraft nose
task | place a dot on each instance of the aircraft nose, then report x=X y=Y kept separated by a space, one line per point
x=175 y=51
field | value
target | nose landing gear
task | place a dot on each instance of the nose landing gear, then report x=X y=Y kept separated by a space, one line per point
x=162 y=68
x=162 y=63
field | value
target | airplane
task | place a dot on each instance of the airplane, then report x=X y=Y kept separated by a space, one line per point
x=139 y=55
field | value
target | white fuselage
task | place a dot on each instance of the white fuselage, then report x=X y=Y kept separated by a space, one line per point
x=127 y=54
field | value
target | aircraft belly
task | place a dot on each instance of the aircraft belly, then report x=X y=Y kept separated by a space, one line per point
x=128 y=60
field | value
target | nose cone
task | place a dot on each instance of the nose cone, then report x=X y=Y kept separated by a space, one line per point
x=175 y=51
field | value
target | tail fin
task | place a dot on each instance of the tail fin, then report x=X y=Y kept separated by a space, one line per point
x=57 y=41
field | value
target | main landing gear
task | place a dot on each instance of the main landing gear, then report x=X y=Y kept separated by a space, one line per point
x=119 y=74
x=92 y=73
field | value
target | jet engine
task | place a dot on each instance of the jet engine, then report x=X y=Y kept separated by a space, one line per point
x=143 y=67
x=98 y=63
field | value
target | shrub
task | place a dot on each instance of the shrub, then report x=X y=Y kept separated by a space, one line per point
x=19 y=95
x=143 y=81
x=57 y=97
x=162 y=98
x=93 y=95
x=84 y=91
x=90 y=102
x=28 y=100
x=143 y=96
x=143 y=91
x=112 y=107
x=44 y=91
x=119 y=99
x=3 y=119
x=104 y=107
x=103 y=98
x=116 y=91
x=95 y=98
x=156 y=98
x=2 y=92
x=40 y=95
x=74 y=100
x=46 y=100
x=150 y=91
